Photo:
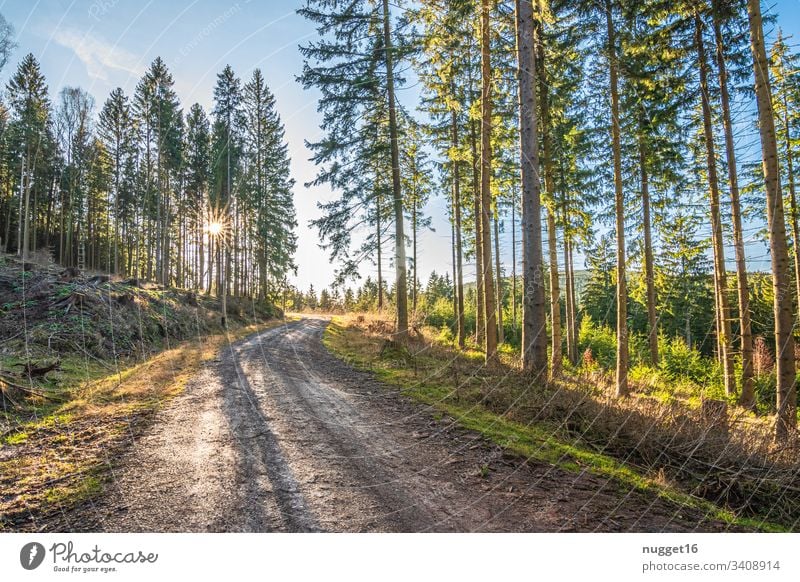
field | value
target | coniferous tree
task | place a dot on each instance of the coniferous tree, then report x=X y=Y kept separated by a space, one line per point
x=786 y=422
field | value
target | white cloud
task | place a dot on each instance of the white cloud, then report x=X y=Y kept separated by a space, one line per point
x=97 y=55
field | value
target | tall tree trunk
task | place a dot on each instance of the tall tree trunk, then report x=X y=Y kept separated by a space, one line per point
x=414 y=282
x=552 y=239
x=455 y=270
x=514 y=264
x=490 y=315
x=401 y=299
x=792 y=197
x=793 y=210
x=21 y=209
x=534 y=328
x=459 y=281
x=572 y=347
x=619 y=204
x=786 y=422
x=26 y=228
x=747 y=397
x=379 y=250
x=721 y=278
x=500 y=331
x=572 y=306
x=480 y=325
x=555 y=297
x=649 y=271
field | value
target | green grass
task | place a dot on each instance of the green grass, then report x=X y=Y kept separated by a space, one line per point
x=539 y=440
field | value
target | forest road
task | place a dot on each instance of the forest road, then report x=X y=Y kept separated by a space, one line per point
x=279 y=435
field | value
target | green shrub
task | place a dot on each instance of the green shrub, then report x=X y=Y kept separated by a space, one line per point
x=601 y=340
x=680 y=362
x=446 y=336
x=440 y=314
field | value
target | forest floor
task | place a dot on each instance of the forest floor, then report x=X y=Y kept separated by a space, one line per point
x=278 y=434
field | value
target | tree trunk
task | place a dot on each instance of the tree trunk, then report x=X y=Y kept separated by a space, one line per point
x=569 y=303
x=792 y=199
x=514 y=264
x=414 y=282
x=26 y=228
x=716 y=221
x=534 y=328
x=552 y=238
x=480 y=326
x=459 y=282
x=619 y=203
x=500 y=331
x=555 y=297
x=786 y=421
x=378 y=251
x=401 y=299
x=747 y=397
x=649 y=272
x=790 y=179
x=572 y=304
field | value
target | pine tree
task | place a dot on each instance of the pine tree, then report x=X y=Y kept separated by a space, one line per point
x=725 y=11
x=786 y=422
x=116 y=129
x=353 y=66
x=417 y=183
x=197 y=150
x=269 y=187
x=30 y=107
x=534 y=331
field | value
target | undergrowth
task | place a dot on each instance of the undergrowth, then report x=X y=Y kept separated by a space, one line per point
x=656 y=441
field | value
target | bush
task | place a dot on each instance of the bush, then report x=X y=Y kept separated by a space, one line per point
x=601 y=340
x=680 y=362
x=440 y=314
x=446 y=336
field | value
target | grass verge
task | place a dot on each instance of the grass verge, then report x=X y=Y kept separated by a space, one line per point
x=63 y=456
x=457 y=385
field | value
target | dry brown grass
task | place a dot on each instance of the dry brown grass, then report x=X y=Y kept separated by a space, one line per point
x=54 y=462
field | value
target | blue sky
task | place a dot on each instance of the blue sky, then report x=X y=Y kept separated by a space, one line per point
x=104 y=44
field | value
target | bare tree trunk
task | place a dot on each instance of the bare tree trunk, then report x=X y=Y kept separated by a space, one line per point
x=649 y=272
x=26 y=217
x=792 y=200
x=414 y=282
x=569 y=303
x=459 y=281
x=786 y=421
x=572 y=305
x=480 y=325
x=500 y=331
x=490 y=315
x=790 y=179
x=401 y=299
x=514 y=264
x=379 y=251
x=552 y=238
x=619 y=203
x=747 y=397
x=534 y=328
x=555 y=297
x=716 y=221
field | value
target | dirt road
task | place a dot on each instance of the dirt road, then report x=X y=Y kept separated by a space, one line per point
x=279 y=435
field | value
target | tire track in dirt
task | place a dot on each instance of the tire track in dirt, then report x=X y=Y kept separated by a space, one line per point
x=279 y=435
